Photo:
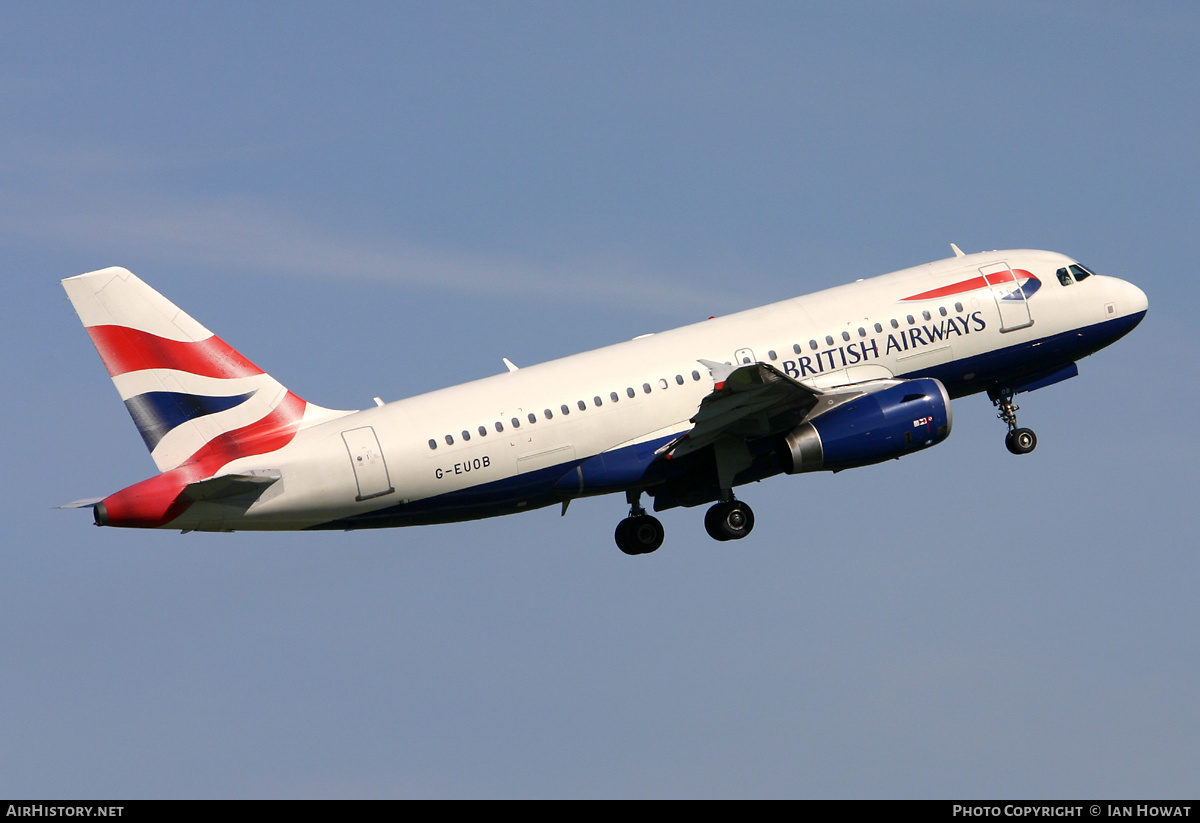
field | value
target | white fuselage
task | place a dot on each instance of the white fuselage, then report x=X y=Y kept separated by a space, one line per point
x=512 y=441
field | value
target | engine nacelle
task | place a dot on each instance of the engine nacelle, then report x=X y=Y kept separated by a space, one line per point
x=879 y=426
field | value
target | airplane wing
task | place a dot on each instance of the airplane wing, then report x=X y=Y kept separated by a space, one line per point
x=758 y=400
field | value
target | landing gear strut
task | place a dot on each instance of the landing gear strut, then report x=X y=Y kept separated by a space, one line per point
x=639 y=533
x=1018 y=440
x=729 y=519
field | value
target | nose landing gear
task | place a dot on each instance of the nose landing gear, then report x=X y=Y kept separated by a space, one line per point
x=1018 y=440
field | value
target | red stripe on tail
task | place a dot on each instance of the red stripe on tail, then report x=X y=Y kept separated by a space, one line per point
x=126 y=350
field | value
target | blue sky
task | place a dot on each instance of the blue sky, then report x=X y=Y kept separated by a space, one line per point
x=384 y=199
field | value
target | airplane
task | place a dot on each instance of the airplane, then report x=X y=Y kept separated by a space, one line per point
x=838 y=379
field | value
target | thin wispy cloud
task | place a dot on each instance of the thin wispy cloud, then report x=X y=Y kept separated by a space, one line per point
x=83 y=200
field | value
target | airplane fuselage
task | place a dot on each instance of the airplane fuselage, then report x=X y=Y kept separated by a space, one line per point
x=604 y=421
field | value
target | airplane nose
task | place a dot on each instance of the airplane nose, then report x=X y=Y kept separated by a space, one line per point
x=1128 y=301
x=1123 y=299
x=1136 y=299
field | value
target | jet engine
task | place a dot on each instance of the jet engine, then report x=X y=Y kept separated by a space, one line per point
x=881 y=425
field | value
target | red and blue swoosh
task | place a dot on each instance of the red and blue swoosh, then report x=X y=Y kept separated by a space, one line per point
x=1026 y=285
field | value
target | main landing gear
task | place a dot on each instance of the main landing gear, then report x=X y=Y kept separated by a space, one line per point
x=639 y=533
x=729 y=520
x=1018 y=440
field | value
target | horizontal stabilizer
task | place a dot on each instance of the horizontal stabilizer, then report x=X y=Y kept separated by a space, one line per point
x=229 y=485
x=80 y=504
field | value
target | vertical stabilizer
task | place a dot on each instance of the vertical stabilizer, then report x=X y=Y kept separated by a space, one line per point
x=192 y=396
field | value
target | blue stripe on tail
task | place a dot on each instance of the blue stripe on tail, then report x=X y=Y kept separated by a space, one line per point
x=158 y=412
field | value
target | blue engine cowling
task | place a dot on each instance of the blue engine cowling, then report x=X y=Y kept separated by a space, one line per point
x=890 y=423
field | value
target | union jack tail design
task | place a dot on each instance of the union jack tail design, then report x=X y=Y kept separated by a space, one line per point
x=195 y=400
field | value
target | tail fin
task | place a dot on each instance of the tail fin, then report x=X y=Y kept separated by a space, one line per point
x=191 y=395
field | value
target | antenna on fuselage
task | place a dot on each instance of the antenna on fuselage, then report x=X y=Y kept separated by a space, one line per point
x=957 y=251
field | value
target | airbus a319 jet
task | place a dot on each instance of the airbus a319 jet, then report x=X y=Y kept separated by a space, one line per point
x=834 y=380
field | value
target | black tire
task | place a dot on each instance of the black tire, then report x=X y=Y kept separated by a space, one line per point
x=1020 y=441
x=729 y=521
x=640 y=534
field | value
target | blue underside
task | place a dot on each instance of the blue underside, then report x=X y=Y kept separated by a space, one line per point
x=690 y=481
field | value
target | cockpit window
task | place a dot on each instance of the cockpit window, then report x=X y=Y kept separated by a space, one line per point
x=1076 y=270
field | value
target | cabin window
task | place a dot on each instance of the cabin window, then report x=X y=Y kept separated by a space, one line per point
x=549 y=415
x=466 y=435
x=597 y=400
x=846 y=337
x=613 y=396
x=695 y=374
x=812 y=344
x=483 y=431
x=516 y=422
x=878 y=328
x=942 y=311
x=796 y=348
x=499 y=426
x=432 y=443
x=662 y=383
x=565 y=409
x=862 y=332
x=679 y=379
x=927 y=315
x=829 y=340
x=895 y=323
x=449 y=440
x=958 y=307
x=646 y=388
x=583 y=406
x=911 y=320
x=532 y=417
x=629 y=391
x=771 y=354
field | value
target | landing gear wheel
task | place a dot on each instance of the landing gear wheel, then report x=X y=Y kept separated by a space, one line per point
x=729 y=521
x=1017 y=441
x=1020 y=441
x=639 y=534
